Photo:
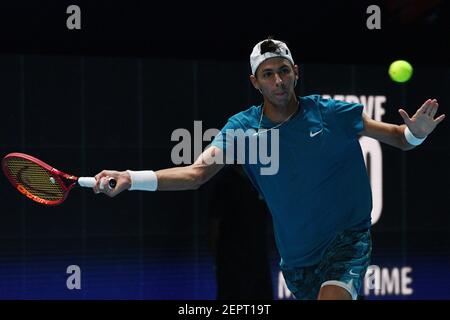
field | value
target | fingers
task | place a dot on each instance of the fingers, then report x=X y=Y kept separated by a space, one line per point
x=405 y=116
x=102 y=182
x=104 y=173
x=424 y=107
x=104 y=187
x=429 y=107
x=439 y=119
x=97 y=180
x=433 y=109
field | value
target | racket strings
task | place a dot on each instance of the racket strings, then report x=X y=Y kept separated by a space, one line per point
x=34 y=179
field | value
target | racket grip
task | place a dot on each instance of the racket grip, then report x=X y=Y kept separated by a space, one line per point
x=89 y=182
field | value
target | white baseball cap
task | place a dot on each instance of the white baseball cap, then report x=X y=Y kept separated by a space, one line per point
x=256 y=58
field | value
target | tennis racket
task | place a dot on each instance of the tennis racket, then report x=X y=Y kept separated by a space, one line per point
x=40 y=182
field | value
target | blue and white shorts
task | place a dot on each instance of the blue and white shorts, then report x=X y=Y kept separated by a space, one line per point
x=344 y=264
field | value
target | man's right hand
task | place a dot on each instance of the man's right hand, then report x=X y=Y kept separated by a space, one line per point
x=123 y=182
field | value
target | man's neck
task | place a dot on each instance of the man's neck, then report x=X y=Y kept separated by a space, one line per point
x=279 y=113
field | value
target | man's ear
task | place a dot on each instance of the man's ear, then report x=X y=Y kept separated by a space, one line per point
x=296 y=71
x=254 y=82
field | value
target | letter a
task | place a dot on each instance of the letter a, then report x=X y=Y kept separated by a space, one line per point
x=374 y=21
x=74 y=20
x=74 y=280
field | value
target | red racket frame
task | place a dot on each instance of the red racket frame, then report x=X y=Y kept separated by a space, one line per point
x=59 y=175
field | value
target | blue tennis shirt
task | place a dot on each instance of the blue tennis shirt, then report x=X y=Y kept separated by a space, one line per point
x=321 y=187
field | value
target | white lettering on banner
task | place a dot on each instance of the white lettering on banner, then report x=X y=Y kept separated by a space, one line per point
x=388 y=281
x=373 y=105
x=373 y=108
x=373 y=158
x=406 y=281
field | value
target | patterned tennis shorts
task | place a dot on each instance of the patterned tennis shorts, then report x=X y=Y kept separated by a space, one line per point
x=344 y=264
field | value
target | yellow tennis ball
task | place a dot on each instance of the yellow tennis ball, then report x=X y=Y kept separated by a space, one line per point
x=400 y=71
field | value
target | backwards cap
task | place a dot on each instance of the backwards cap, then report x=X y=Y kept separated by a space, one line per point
x=256 y=58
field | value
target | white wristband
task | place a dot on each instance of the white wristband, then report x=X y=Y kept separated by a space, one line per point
x=143 y=180
x=412 y=140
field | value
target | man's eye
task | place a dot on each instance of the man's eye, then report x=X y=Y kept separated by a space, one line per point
x=267 y=74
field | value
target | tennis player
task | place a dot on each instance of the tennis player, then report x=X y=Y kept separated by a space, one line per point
x=320 y=198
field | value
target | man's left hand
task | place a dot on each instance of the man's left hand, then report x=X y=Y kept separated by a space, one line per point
x=422 y=122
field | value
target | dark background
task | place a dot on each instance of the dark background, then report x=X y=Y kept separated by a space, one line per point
x=109 y=96
x=318 y=31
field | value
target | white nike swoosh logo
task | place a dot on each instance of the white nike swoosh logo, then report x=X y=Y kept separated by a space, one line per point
x=352 y=273
x=312 y=135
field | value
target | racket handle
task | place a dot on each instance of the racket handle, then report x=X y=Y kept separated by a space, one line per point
x=89 y=182
x=86 y=182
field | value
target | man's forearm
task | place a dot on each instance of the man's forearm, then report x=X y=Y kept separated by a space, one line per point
x=179 y=178
x=391 y=134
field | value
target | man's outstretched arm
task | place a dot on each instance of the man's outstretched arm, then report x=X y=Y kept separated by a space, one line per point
x=420 y=125
x=191 y=177
x=177 y=178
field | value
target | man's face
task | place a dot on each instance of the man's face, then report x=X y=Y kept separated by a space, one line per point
x=276 y=78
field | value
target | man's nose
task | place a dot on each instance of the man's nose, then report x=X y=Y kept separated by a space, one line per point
x=278 y=79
